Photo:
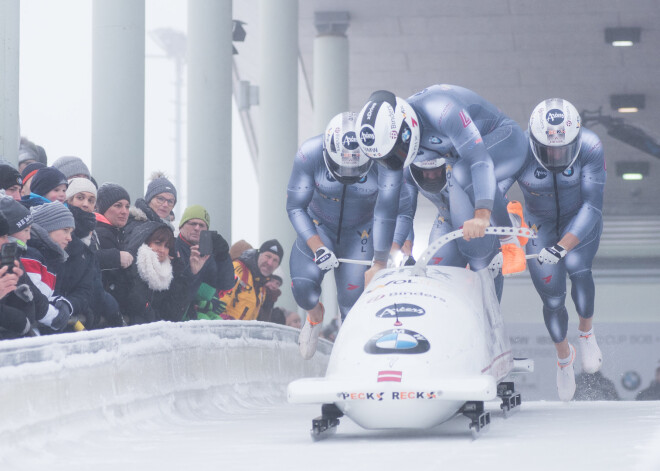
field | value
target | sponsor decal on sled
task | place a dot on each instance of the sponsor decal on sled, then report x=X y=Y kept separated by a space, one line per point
x=397 y=341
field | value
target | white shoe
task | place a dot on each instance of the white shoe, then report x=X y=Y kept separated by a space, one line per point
x=590 y=355
x=309 y=338
x=566 y=378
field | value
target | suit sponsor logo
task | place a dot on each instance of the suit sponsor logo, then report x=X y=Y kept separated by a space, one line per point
x=465 y=119
x=540 y=173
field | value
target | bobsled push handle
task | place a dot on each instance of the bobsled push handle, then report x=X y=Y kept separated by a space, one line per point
x=499 y=231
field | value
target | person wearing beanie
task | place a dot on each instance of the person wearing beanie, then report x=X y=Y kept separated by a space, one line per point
x=253 y=269
x=49 y=184
x=113 y=204
x=158 y=283
x=11 y=181
x=72 y=167
x=16 y=306
x=27 y=173
x=81 y=193
x=213 y=273
x=157 y=204
x=50 y=234
x=29 y=152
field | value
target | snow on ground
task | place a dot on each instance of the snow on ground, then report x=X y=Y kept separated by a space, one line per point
x=227 y=419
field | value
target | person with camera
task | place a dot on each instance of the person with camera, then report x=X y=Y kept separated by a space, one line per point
x=205 y=255
x=26 y=298
x=16 y=304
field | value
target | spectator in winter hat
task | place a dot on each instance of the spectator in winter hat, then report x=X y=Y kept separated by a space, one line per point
x=29 y=152
x=50 y=234
x=11 y=181
x=160 y=196
x=19 y=219
x=253 y=269
x=49 y=184
x=212 y=273
x=82 y=194
x=27 y=173
x=14 y=308
x=158 y=202
x=72 y=167
x=113 y=203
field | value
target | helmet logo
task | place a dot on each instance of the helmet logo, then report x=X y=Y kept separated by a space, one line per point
x=349 y=141
x=405 y=135
x=367 y=136
x=554 y=117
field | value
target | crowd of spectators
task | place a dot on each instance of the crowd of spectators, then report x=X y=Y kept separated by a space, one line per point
x=75 y=255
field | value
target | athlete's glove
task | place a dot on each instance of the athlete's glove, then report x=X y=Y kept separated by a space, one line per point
x=325 y=259
x=552 y=255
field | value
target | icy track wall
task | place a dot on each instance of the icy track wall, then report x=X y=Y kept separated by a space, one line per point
x=115 y=372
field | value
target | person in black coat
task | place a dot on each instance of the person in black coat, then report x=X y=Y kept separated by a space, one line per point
x=113 y=203
x=157 y=204
x=158 y=282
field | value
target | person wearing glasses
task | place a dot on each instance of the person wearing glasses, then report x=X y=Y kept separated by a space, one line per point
x=157 y=204
x=213 y=273
x=448 y=121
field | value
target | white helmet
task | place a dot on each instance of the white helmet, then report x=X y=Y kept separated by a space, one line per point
x=555 y=134
x=389 y=130
x=341 y=152
x=430 y=175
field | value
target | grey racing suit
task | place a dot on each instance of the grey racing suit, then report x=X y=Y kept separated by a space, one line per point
x=556 y=204
x=488 y=147
x=355 y=221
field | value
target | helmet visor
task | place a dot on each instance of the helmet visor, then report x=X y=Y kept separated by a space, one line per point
x=430 y=176
x=555 y=158
x=396 y=157
x=350 y=172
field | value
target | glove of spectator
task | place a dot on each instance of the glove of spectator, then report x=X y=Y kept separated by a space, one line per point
x=24 y=293
x=220 y=246
x=217 y=306
x=64 y=311
x=325 y=259
x=552 y=255
x=15 y=320
x=273 y=294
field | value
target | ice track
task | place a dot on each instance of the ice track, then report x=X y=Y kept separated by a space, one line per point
x=211 y=396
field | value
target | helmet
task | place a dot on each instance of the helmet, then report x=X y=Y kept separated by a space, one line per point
x=341 y=152
x=430 y=175
x=555 y=134
x=388 y=130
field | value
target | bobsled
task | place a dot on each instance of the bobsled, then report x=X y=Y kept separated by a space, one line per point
x=422 y=344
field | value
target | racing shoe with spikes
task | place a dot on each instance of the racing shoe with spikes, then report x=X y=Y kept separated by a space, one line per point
x=309 y=337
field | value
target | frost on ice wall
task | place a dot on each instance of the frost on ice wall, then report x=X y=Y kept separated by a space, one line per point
x=113 y=372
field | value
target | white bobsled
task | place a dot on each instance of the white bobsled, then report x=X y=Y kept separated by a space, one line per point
x=421 y=344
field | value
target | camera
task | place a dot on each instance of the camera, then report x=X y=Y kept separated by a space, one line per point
x=206 y=243
x=8 y=254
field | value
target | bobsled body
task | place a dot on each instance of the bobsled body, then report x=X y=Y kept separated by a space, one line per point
x=414 y=348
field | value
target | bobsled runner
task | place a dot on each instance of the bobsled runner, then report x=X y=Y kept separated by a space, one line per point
x=422 y=344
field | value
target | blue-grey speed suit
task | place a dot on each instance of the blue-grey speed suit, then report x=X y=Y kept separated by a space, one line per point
x=448 y=254
x=556 y=204
x=355 y=221
x=488 y=146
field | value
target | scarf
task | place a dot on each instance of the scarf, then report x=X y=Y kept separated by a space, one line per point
x=155 y=274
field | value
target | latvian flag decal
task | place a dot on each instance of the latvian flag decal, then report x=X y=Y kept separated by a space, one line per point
x=394 y=376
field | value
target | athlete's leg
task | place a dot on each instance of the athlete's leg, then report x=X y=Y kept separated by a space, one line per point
x=356 y=244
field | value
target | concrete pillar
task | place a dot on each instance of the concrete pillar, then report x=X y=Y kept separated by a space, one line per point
x=118 y=93
x=210 y=109
x=330 y=98
x=9 y=49
x=278 y=124
x=330 y=67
